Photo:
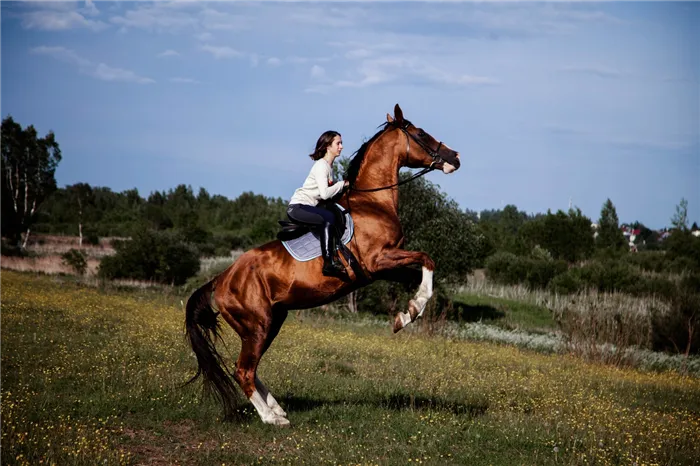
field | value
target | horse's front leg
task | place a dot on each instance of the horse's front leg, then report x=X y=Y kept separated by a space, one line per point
x=397 y=258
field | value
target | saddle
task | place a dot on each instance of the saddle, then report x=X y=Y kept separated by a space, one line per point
x=294 y=231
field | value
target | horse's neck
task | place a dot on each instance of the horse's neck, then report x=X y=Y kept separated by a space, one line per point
x=380 y=167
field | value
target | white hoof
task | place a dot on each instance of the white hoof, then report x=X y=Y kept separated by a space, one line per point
x=279 y=411
x=278 y=421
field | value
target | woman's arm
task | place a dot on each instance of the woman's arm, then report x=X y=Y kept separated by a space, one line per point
x=322 y=175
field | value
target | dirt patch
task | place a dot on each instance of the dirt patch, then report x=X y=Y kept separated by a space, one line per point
x=176 y=444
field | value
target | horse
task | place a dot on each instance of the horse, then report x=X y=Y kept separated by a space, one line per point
x=256 y=292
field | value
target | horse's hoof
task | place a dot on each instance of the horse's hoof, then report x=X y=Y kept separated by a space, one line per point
x=413 y=310
x=279 y=411
x=398 y=323
x=278 y=421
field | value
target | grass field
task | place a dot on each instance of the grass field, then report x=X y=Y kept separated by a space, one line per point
x=91 y=377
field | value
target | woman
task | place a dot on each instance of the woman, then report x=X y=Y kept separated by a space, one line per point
x=303 y=206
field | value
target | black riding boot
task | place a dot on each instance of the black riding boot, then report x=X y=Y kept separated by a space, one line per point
x=331 y=267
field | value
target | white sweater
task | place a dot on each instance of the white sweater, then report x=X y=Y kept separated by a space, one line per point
x=318 y=185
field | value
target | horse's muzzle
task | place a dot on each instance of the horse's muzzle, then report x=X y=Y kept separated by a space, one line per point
x=451 y=165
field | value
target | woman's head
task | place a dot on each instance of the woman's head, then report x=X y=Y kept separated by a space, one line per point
x=325 y=141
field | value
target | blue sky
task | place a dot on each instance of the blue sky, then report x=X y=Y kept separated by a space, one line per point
x=546 y=102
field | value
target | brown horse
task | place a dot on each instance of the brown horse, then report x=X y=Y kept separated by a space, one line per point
x=256 y=292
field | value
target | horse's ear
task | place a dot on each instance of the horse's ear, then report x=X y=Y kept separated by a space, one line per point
x=398 y=114
x=389 y=118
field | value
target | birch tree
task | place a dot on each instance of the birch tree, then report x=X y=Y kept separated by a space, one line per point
x=28 y=167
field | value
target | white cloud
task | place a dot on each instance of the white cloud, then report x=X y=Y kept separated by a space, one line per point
x=317 y=72
x=212 y=19
x=160 y=16
x=67 y=5
x=52 y=20
x=108 y=73
x=274 y=61
x=90 y=9
x=204 y=36
x=85 y=66
x=222 y=51
x=169 y=53
x=179 y=80
x=357 y=53
x=596 y=70
x=408 y=69
x=62 y=54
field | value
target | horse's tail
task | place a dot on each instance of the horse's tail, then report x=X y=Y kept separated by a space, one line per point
x=202 y=329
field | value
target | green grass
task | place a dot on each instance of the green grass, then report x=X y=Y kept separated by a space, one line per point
x=90 y=377
x=505 y=313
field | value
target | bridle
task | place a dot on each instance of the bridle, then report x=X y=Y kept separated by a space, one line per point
x=435 y=154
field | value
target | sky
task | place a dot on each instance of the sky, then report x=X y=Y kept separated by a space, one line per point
x=549 y=104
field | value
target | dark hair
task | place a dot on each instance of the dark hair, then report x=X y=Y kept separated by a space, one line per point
x=322 y=144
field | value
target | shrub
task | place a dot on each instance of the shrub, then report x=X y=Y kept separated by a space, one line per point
x=501 y=267
x=610 y=276
x=681 y=264
x=163 y=257
x=654 y=286
x=76 y=260
x=540 y=272
x=678 y=330
x=568 y=282
x=533 y=272
x=651 y=261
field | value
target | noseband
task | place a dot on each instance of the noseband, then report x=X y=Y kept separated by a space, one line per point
x=433 y=153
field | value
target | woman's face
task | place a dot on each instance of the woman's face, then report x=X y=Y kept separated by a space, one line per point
x=336 y=147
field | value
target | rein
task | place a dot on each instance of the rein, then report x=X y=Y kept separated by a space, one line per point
x=434 y=154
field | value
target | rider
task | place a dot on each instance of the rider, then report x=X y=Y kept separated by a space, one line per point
x=303 y=206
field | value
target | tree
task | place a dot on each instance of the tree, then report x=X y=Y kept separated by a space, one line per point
x=433 y=223
x=680 y=218
x=28 y=167
x=81 y=196
x=564 y=236
x=609 y=235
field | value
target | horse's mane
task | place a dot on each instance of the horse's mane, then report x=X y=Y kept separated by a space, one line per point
x=359 y=155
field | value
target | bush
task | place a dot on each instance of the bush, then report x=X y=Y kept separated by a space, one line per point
x=533 y=272
x=682 y=264
x=651 y=261
x=76 y=260
x=679 y=330
x=610 y=276
x=655 y=286
x=540 y=272
x=163 y=257
x=501 y=267
x=568 y=282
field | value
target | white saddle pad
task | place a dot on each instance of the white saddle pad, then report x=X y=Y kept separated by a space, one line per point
x=308 y=246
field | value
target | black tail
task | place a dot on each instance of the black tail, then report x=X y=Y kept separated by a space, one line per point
x=202 y=329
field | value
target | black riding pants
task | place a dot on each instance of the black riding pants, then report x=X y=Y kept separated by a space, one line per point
x=303 y=213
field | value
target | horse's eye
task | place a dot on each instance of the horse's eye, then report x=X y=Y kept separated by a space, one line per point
x=421 y=133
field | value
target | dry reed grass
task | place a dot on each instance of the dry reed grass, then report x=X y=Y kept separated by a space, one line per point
x=47 y=245
x=48 y=264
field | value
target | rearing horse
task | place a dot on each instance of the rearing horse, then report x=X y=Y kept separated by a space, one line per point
x=255 y=294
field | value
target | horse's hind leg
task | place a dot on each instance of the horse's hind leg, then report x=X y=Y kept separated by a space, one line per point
x=278 y=319
x=255 y=340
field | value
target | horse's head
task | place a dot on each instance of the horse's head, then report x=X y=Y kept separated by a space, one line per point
x=422 y=149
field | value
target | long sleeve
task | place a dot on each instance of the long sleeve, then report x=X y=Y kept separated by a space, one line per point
x=321 y=173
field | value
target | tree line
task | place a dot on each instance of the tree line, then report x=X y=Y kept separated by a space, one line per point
x=213 y=225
